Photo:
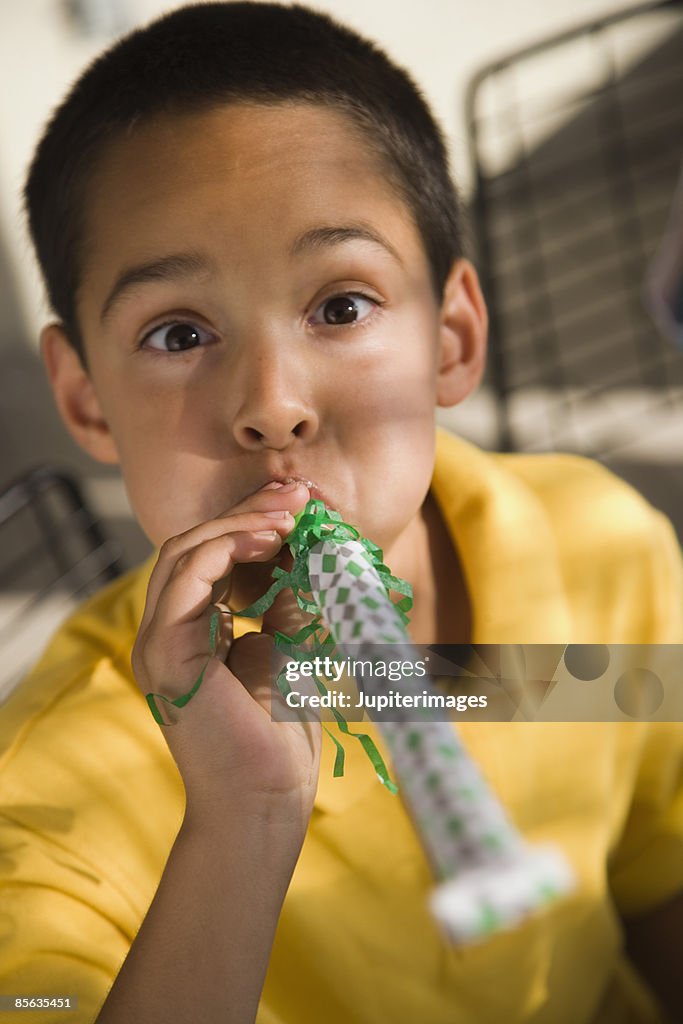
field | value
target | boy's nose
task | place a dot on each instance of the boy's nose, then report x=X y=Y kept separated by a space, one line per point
x=273 y=411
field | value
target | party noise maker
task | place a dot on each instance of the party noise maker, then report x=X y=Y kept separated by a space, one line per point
x=489 y=877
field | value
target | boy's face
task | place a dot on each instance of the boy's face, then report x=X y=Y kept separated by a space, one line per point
x=257 y=304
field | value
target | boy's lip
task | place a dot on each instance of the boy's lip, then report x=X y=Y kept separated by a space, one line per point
x=288 y=478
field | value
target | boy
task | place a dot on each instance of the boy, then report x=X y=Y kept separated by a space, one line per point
x=249 y=236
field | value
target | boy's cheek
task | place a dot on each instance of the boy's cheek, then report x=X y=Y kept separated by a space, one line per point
x=167 y=502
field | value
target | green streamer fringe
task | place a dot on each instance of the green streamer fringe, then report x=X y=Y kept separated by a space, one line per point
x=314 y=524
x=181 y=701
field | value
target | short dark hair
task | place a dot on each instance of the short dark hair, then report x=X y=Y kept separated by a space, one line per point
x=206 y=54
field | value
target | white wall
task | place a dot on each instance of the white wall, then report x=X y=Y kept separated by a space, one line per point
x=442 y=42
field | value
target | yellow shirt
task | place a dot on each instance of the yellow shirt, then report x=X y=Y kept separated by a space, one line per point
x=555 y=550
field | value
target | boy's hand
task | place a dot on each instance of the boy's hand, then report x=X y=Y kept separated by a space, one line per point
x=226 y=746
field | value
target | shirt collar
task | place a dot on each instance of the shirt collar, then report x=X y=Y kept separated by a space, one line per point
x=509 y=557
x=506 y=545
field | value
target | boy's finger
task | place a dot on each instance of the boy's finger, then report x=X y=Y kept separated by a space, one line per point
x=179 y=546
x=267 y=500
x=249 y=582
x=291 y=496
x=177 y=654
x=263 y=502
x=251 y=660
x=189 y=587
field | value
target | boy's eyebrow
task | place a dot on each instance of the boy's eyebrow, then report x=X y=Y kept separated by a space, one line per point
x=327 y=236
x=167 y=268
x=189 y=264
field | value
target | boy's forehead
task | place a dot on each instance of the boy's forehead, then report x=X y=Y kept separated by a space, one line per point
x=253 y=173
x=245 y=130
x=243 y=144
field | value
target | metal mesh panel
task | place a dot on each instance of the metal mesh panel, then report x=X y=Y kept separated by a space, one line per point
x=577 y=145
x=52 y=554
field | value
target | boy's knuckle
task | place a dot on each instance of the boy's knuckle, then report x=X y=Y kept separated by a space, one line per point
x=185 y=563
x=169 y=550
x=140 y=664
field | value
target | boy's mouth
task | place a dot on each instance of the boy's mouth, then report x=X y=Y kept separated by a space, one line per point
x=313 y=488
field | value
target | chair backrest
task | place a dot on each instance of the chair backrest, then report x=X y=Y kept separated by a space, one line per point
x=576 y=145
x=53 y=553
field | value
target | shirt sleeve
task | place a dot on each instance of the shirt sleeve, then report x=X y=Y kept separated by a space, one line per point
x=90 y=805
x=53 y=941
x=646 y=868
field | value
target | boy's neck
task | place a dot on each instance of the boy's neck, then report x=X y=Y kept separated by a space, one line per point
x=441 y=607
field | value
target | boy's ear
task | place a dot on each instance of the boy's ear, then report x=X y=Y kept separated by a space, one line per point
x=75 y=395
x=462 y=335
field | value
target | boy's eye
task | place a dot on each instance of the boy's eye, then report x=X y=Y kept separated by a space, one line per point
x=344 y=309
x=176 y=337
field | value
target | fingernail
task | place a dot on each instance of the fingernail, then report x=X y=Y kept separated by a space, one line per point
x=277 y=515
x=273 y=485
x=292 y=486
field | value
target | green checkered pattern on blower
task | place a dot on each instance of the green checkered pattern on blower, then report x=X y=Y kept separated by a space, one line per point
x=491 y=878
